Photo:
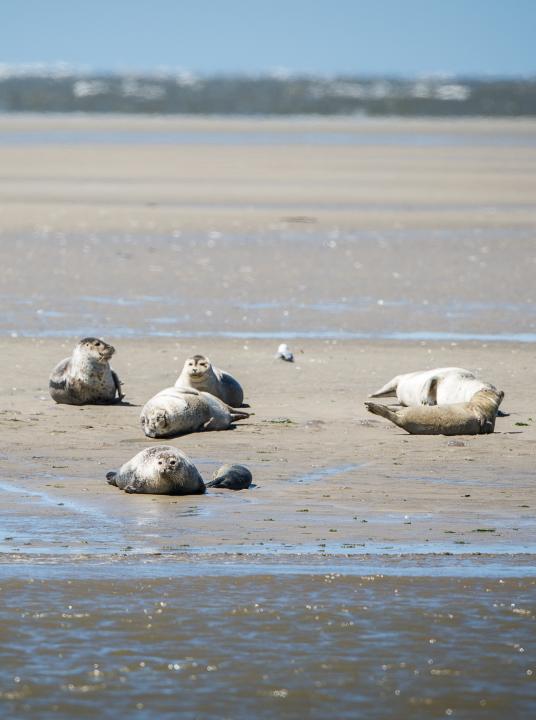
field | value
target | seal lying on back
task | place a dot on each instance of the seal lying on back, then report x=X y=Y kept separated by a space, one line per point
x=86 y=377
x=469 y=418
x=160 y=470
x=199 y=374
x=176 y=411
x=442 y=386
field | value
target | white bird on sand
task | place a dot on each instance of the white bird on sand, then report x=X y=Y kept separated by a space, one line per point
x=284 y=352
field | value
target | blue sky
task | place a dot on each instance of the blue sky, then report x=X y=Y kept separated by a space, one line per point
x=405 y=37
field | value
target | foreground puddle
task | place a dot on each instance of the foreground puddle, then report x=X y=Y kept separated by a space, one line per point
x=267 y=645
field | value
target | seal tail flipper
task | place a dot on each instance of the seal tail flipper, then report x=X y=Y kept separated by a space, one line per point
x=388 y=389
x=239 y=415
x=382 y=410
x=111 y=478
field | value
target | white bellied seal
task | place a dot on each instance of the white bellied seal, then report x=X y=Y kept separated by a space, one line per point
x=86 y=378
x=475 y=417
x=160 y=470
x=199 y=374
x=441 y=386
x=176 y=411
x=231 y=477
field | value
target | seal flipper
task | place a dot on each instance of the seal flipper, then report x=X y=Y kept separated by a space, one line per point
x=117 y=384
x=384 y=411
x=239 y=415
x=111 y=478
x=388 y=389
x=429 y=392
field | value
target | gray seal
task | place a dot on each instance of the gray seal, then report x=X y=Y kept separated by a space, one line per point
x=177 y=411
x=231 y=477
x=86 y=377
x=198 y=373
x=159 y=470
x=475 y=417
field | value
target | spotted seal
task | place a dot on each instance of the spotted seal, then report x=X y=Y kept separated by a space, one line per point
x=86 y=377
x=199 y=374
x=231 y=477
x=176 y=411
x=159 y=470
x=468 y=418
x=441 y=386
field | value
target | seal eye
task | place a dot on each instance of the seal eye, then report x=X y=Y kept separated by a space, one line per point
x=172 y=462
x=160 y=462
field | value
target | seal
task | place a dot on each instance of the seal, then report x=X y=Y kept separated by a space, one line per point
x=231 y=477
x=86 y=377
x=159 y=470
x=177 y=411
x=198 y=373
x=441 y=386
x=475 y=417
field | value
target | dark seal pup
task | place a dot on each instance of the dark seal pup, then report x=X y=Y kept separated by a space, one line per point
x=86 y=377
x=231 y=477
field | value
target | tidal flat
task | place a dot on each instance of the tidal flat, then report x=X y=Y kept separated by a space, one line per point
x=367 y=572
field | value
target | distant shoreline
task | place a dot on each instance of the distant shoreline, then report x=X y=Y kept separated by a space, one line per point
x=51 y=90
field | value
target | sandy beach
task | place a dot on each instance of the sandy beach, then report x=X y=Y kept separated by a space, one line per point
x=328 y=475
x=372 y=248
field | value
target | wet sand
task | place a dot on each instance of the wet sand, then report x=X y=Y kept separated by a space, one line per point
x=328 y=474
x=372 y=248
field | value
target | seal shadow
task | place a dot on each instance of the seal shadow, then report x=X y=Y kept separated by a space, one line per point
x=171 y=436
